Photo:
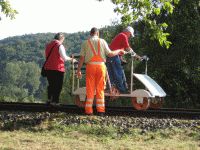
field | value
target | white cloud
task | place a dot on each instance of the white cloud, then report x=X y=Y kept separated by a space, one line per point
x=41 y=16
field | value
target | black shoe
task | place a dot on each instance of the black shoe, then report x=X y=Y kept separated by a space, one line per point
x=48 y=102
x=89 y=114
x=55 y=104
x=100 y=114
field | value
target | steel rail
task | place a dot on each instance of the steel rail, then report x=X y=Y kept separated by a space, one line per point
x=110 y=111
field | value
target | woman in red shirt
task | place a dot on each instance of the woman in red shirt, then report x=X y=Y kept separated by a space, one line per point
x=55 y=67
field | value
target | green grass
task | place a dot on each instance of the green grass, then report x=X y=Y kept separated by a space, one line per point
x=52 y=135
x=55 y=132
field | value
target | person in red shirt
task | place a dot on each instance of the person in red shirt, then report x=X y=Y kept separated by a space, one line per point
x=114 y=64
x=121 y=41
x=55 y=67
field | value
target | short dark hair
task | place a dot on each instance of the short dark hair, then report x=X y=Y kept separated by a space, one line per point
x=59 y=36
x=93 y=31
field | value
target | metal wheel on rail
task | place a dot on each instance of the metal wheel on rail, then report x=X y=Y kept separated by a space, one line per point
x=156 y=103
x=140 y=103
x=78 y=102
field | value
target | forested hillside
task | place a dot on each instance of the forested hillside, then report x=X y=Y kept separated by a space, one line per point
x=21 y=58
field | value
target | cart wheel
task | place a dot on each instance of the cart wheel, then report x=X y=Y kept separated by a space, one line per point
x=140 y=103
x=114 y=91
x=156 y=103
x=78 y=102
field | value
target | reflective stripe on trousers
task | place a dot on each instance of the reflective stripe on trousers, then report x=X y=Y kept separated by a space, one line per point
x=95 y=80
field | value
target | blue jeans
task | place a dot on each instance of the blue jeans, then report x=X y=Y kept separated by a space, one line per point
x=116 y=73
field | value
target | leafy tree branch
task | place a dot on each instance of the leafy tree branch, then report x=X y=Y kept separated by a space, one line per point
x=7 y=10
x=132 y=11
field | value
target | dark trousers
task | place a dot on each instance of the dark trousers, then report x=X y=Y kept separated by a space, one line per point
x=55 y=80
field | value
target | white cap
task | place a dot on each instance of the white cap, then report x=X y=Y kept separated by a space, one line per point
x=130 y=29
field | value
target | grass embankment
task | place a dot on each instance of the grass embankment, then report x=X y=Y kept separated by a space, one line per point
x=52 y=133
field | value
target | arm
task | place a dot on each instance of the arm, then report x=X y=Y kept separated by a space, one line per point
x=63 y=54
x=110 y=53
x=116 y=52
x=80 y=64
x=129 y=49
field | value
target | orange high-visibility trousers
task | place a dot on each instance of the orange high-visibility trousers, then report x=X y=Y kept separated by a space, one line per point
x=95 y=81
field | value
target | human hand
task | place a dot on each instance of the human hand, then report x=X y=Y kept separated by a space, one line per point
x=79 y=74
x=74 y=60
x=122 y=52
x=133 y=54
x=144 y=58
x=137 y=57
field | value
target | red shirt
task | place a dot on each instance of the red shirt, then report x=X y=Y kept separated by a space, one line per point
x=55 y=61
x=119 y=42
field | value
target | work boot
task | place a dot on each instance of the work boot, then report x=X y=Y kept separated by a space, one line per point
x=101 y=114
x=89 y=114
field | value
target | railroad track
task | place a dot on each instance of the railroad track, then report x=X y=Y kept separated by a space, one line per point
x=110 y=111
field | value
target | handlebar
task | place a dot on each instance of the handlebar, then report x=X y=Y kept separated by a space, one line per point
x=145 y=58
x=133 y=54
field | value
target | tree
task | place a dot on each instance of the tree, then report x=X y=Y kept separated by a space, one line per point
x=177 y=69
x=20 y=81
x=133 y=11
x=184 y=54
x=7 y=9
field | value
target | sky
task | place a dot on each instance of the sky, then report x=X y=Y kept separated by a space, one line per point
x=69 y=16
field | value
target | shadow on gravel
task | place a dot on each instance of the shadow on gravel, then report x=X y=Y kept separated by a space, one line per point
x=21 y=120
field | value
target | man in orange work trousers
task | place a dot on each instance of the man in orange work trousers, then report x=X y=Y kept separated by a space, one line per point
x=93 y=53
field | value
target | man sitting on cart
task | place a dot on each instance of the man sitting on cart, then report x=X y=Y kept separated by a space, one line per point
x=114 y=67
